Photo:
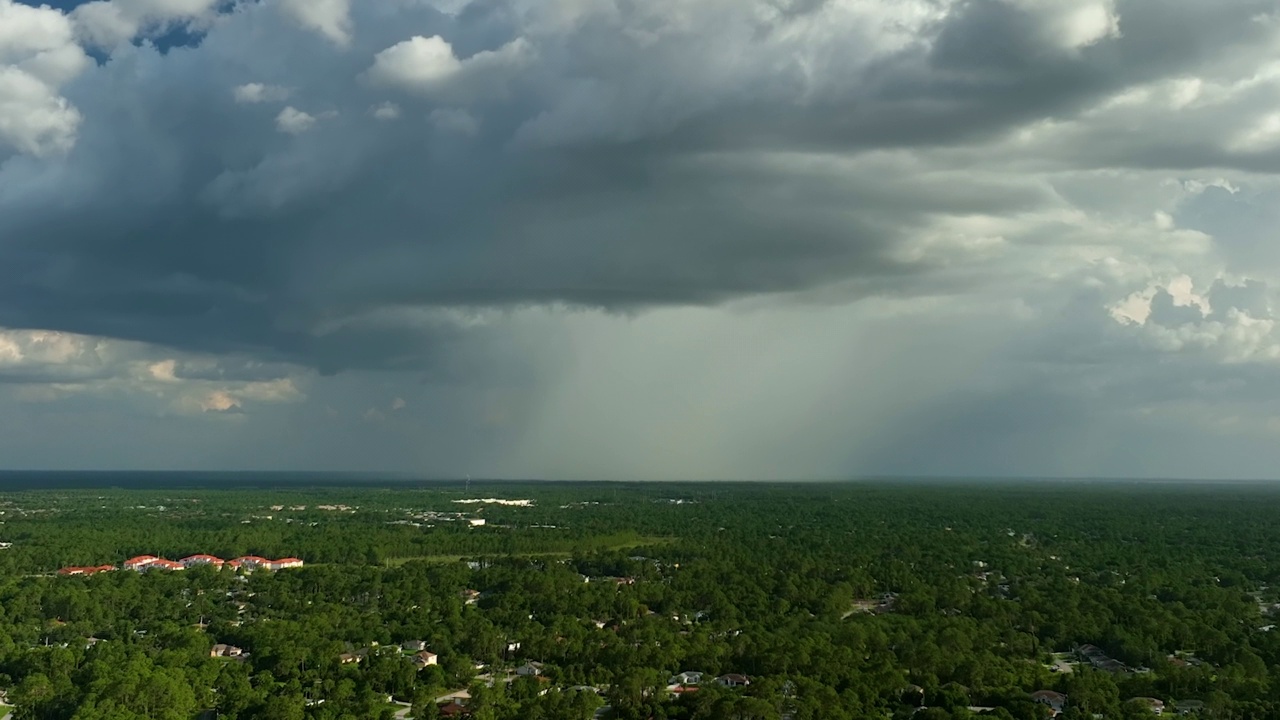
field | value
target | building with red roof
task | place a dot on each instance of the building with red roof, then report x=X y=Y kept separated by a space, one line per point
x=139 y=562
x=152 y=562
x=453 y=708
x=91 y=570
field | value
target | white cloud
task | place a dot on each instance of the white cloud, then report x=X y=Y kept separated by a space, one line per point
x=1135 y=308
x=217 y=401
x=260 y=93
x=38 y=55
x=421 y=63
x=294 y=121
x=34 y=349
x=330 y=18
x=386 y=111
x=163 y=370
x=1074 y=24
x=108 y=23
x=66 y=364
x=33 y=118
x=428 y=66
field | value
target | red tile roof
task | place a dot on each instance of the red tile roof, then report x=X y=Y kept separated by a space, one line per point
x=453 y=708
x=90 y=570
x=252 y=560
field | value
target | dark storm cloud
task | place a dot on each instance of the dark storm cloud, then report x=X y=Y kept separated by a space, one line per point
x=605 y=172
x=988 y=71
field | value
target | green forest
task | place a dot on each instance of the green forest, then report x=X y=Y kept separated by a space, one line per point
x=541 y=601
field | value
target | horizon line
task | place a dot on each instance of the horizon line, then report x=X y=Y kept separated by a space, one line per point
x=408 y=476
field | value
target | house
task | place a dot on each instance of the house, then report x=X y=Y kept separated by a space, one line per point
x=1099 y=659
x=425 y=658
x=285 y=563
x=453 y=708
x=1189 y=707
x=202 y=559
x=1157 y=706
x=686 y=678
x=470 y=597
x=252 y=562
x=227 y=651
x=139 y=562
x=529 y=669
x=733 y=680
x=351 y=657
x=414 y=645
x=1055 y=700
x=161 y=564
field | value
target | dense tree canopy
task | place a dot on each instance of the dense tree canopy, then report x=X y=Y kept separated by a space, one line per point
x=836 y=601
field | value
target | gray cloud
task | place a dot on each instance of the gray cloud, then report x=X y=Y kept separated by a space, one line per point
x=627 y=167
x=446 y=196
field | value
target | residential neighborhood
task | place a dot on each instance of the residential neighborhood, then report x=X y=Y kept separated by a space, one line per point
x=143 y=563
x=389 y=621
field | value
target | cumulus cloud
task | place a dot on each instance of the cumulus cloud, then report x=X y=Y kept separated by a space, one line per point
x=79 y=365
x=386 y=111
x=38 y=55
x=428 y=66
x=420 y=62
x=330 y=18
x=294 y=121
x=259 y=93
x=562 y=178
x=1070 y=24
x=108 y=23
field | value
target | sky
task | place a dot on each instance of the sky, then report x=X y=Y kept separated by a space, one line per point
x=642 y=239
